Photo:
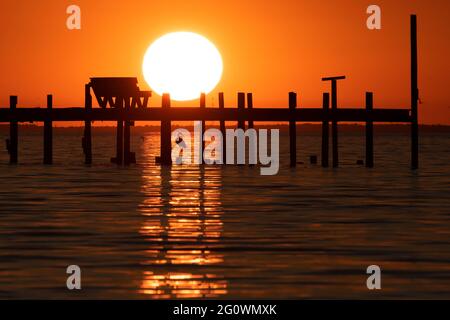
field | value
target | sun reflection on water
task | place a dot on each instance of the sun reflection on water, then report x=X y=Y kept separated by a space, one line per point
x=183 y=223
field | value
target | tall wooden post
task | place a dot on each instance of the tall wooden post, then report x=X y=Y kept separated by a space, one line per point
x=325 y=130
x=241 y=107
x=48 y=133
x=414 y=97
x=369 y=130
x=334 y=125
x=119 y=139
x=202 y=138
x=334 y=122
x=127 y=134
x=87 y=139
x=13 y=133
x=292 y=129
x=127 y=138
x=250 y=107
x=223 y=128
x=166 y=134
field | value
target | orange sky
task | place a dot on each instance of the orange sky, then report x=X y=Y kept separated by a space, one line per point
x=268 y=47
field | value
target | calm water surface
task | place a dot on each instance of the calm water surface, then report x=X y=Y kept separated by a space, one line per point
x=149 y=232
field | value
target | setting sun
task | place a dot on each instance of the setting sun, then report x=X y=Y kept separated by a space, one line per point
x=183 y=64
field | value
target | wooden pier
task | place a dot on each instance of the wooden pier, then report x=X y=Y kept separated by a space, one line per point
x=127 y=104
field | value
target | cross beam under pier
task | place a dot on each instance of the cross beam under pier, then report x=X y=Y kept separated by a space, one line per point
x=210 y=114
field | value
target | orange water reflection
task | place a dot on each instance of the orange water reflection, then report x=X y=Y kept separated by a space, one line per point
x=183 y=225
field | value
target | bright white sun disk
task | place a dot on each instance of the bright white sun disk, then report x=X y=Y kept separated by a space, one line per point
x=183 y=64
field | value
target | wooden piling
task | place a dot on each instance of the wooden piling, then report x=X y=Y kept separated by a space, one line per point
x=325 y=129
x=13 y=133
x=127 y=135
x=202 y=140
x=119 y=143
x=126 y=143
x=334 y=112
x=87 y=139
x=166 y=134
x=250 y=107
x=223 y=128
x=369 y=130
x=119 y=134
x=293 y=129
x=241 y=107
x=414 y=97
x=334 y=125
x=48 y=134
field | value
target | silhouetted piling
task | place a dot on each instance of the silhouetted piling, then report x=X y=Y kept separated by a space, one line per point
x=48 y=134
x=369 y=130
x=414 y=97
x=202 y=138
x=334 y=123
x=223 y=128
x=119 y=134
x=241 y=107
x=13 y=133
x=166 y=134
x=250 y=107
x=87 y=138
x=325 y=129
x=293 y=129
x=127 y=158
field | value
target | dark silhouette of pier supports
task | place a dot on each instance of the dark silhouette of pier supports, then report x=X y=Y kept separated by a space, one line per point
x=250 y=123
x=13 y=144
x=414 y=97
x=48 y=134
x=241 y=107
x=293 y=130
x=115 y=92
x=369 y=130
x=128 y=156
x=202 y=138
x=119 y=135
x=166 y=134
x=124 y=95
x=334 y=123
x=325 y=130
x=124 y=156
x=223 y=128
x=87 y=137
